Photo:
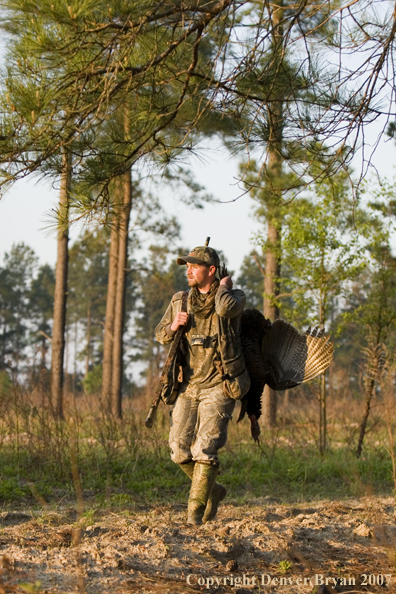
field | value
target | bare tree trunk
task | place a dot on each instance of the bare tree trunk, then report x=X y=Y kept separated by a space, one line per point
x=272 y=260
x=119 y=312
x=270 y=406
x=271 y=288
x=272 y=273
x=322 y=379
x=363 y=425
x=322 y=414
x=76 y=342
x=109 y=321
x=66 y=387
x=270 y=397
x=43 y=353
x=60 y=295
x=88 y=342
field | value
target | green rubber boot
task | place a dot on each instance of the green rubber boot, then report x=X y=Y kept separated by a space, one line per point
x=203 y=480
x=188 y=468
x=217 y=495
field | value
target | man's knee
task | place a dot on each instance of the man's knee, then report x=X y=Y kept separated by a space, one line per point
x=180 y=456
x=180 y=446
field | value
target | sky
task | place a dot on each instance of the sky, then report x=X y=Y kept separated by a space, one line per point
x=25 y=213
x=25 y=210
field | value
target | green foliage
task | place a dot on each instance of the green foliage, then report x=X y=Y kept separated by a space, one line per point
x=30 y=588
x=92 y=382
x=158 y=280
x=87 y=280
x=369 y=315
x=5 y=383
x=324 y=245
x=16 y=279
x=138 y=100
x=41 y=305
x=284 y=566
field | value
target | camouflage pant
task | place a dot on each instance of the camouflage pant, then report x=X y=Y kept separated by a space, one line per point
x=199 y=425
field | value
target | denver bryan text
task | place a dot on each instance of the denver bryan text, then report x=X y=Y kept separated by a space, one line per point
x=265 y=579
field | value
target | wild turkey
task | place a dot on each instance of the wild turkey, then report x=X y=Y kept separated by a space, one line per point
x=278 y=355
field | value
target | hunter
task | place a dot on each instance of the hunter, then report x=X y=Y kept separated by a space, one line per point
x=213 y=376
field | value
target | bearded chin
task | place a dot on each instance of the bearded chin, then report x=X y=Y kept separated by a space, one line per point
x=192 y=282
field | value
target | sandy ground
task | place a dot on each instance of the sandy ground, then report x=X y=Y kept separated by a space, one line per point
x=262 y=547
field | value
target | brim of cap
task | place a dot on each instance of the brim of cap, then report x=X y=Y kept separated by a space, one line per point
x=190 y=260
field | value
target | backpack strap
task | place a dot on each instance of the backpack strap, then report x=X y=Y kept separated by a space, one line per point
x=184 y=301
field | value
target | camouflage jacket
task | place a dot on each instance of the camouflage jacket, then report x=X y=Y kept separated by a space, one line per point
x=210 y=339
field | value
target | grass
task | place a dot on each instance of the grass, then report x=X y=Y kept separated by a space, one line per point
x=122 y=464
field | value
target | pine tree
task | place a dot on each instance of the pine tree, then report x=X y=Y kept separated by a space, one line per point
x=41 y=309
x=157 y=282
x=88 y=275
x=16 y=278
x=60 y=292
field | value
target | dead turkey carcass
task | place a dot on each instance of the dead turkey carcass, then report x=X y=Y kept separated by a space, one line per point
x=278 y=355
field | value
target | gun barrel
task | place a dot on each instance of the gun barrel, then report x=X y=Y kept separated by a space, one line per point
x=150 y=417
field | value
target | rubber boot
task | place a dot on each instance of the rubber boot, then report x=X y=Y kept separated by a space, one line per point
x=201 y=487
x=217 y=495
x=188 y=468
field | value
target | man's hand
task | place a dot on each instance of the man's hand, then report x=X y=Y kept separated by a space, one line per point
x=227 y=281
x=181 y=319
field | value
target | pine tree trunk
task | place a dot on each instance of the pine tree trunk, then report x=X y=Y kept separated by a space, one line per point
x=88 y=342
x=60 y=295
x=43 y=352
x=271 y=289
x=66 y=387
x=270 y=397
x=272 y=263
x=322 y=415
x=363 y=425
x=119 y=312
x=107 y=365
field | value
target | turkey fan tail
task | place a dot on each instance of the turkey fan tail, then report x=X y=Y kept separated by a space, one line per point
x=284 y=353
x=315 y=340
x=320 y=354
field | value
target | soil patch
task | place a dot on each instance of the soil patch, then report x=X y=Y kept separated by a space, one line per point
x=261 y=547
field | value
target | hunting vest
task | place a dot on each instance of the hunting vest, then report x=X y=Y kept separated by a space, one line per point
x=235 y=375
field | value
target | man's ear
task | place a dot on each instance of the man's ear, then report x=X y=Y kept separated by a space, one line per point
x=212 y=270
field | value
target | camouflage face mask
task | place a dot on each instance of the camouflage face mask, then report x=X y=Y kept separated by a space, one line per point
x=202 y=304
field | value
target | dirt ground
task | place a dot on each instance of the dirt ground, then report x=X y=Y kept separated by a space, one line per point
x=263 y=547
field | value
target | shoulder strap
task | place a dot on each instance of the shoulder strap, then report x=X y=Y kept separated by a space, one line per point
x=184 y=301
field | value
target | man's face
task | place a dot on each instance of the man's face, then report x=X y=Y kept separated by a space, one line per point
x=200 y=276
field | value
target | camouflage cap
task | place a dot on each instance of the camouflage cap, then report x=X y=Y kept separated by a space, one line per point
x=201 y=255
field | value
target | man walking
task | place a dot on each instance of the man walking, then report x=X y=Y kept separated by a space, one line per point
x=214 y=376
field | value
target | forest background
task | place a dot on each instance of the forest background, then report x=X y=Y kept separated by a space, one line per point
x=81 y=115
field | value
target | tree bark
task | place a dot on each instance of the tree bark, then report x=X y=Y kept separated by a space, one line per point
x=60 y=295
x=270 y=397
x=322 y=414
x=119 y=312
x=272 y=260
x=322 y=379
x=271 y=285
x=88 y=342
x=107 y=365
x=362 y=431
